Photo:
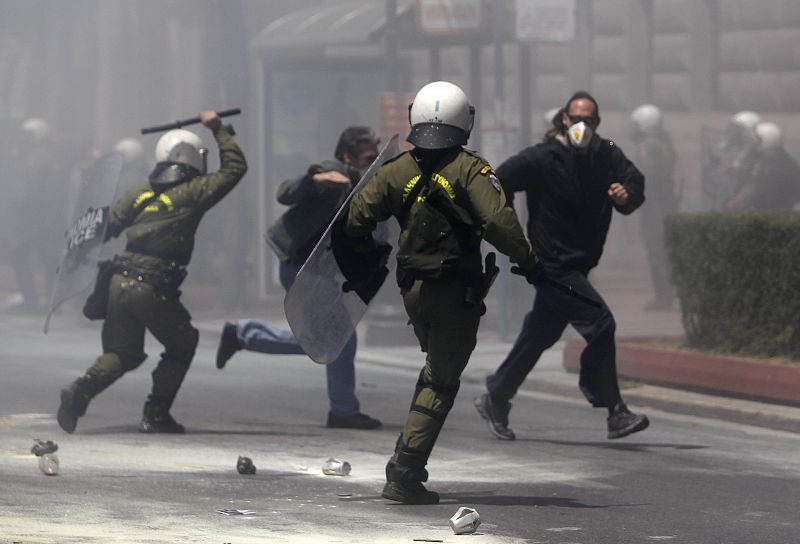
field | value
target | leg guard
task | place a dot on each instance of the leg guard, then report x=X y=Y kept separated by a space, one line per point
x=168 y=377
x=429 y=409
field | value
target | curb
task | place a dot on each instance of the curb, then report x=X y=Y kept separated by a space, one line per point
x=738 y=376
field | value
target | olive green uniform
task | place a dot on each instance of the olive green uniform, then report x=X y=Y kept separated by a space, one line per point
x=144 y=291
x=439 y=248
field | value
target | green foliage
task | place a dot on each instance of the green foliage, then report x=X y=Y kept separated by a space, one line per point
x=738 y=279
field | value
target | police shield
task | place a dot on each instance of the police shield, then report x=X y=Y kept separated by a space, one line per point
x=94 y=192
x=332 y=291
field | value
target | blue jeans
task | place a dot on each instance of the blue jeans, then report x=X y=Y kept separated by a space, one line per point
x=262 y=337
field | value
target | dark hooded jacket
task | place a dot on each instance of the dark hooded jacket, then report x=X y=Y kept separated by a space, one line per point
x=569 y=210
x=311 y=209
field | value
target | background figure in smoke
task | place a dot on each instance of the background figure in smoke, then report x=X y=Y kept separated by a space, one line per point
x=37 y=215
x=655 y=157
x=775 y=182
x=573 y=182
x=135 y=167
x=160 y=219
x=728 y=165
x=314 y=199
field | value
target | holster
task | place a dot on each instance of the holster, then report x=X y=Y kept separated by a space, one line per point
x=96 y=305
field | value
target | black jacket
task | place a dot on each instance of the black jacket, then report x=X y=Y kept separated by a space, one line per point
x=569 y=210
x=311 y=209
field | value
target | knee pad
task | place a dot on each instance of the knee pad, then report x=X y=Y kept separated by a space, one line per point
x=183 y=345
x=109 y=367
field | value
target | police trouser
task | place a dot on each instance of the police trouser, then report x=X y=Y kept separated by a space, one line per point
x=133 y=307
x=447 y=331
x=552 y=311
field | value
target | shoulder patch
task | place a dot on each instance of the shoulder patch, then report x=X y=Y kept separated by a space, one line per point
x=495 y=182
x=486 y=169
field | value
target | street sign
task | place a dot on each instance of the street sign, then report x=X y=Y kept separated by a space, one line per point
x=448 y=17
x=545 y=20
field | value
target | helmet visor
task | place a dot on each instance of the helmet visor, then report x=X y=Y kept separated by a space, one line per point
x=436 y=136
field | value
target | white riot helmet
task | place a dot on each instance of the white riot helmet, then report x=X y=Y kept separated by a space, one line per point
x=180 y=156
x=746 y=120
x=130 y=148
x=440 y=116
x=36 y=129
x=646 y=119
x=770 y=136
x=549 y=116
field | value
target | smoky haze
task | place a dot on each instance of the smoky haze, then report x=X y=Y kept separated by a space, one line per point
x=96 y=71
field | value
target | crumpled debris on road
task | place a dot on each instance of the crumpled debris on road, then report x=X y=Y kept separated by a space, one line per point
x=41 y=447
x=235 y=512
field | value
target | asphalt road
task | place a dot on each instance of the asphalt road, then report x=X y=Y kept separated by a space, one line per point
x=684 y=480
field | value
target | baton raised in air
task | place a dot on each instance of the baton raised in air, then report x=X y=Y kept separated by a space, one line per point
x=190 y=121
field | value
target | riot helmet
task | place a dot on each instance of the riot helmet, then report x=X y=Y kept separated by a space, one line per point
x=440 y=116
x=130 y=148
x=646 y=119
x=35 y=129
x=770 y=137
x=180 y=156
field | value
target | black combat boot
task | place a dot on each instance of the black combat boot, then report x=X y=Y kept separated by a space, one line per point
x=405 y=473
x=228 y=344
x=75 y=399
x=156 y=417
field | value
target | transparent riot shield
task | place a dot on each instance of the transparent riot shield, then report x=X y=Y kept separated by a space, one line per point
x=323 y=305
x=93 y=193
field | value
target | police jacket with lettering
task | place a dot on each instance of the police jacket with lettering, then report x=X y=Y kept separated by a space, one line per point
x=311 y=209
x=442 y=228
x=163 y=231
x=569 y=210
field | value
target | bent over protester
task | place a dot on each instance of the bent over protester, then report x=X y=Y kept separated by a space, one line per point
x=161 y=219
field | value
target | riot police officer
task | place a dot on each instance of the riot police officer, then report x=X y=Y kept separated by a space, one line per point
x=161 y=219
x=655 y=157
x=446 y=199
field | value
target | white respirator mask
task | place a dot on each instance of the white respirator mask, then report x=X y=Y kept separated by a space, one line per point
x=580 y=134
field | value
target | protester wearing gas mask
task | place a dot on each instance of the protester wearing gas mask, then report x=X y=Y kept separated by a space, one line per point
x=313 y=199
x=572 y=181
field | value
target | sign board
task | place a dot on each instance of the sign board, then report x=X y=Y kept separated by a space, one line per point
x=394 y=116
x=447 y=17
x=545 y=20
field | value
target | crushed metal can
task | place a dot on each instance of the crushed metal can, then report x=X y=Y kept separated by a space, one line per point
x=336 y=467
x=465 y=521
x=244 y=465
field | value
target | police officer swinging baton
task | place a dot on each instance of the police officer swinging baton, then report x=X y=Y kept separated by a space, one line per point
x=190 y=121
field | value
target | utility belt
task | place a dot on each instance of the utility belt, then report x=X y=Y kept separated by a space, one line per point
x=165 y=284
x=177 y=258
x=476 y=284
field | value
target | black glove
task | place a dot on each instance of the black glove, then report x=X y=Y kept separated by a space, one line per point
x=535 y=274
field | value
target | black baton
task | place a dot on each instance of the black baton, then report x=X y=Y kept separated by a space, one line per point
x=572 y=292
x=190 y=121
x=568 y=289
